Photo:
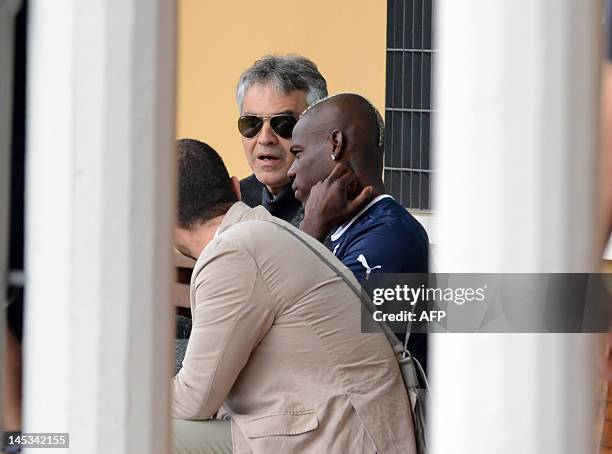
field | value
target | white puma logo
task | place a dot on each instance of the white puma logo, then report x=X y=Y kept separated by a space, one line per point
x=361 y=259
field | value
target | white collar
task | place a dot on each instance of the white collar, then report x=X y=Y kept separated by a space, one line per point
x=340 y=231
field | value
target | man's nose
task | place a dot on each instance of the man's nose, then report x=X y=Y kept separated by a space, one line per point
x=291 y=171
x=267 y=136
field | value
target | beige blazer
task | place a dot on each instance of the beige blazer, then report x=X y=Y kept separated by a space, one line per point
x=276 y=336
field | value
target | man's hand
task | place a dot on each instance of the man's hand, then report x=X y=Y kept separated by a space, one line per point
x=333 y=201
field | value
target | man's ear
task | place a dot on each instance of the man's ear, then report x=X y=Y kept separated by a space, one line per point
x=337 y=140
x=236 y=187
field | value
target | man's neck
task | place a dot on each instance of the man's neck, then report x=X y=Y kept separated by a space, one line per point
x=378 y=187
x=277 y=190
x=198 y=238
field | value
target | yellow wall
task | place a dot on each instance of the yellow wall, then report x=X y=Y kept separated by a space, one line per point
x=218 y=40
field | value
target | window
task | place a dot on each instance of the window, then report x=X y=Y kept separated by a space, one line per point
x=408 y=113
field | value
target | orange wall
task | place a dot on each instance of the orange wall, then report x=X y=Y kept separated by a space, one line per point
x=218 y=40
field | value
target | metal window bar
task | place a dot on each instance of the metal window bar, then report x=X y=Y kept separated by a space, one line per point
x=408 y=109
x=422 y=51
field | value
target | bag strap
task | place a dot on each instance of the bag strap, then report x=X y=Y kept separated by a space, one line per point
x=391 y=337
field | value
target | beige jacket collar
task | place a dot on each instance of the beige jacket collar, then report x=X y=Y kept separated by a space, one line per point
x=241 y=212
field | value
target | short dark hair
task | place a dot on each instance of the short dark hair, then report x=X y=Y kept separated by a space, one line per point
x=205 y=190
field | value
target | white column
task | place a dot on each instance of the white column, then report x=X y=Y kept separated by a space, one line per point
x=516 y=146
x=100 y=210
x=8 y=10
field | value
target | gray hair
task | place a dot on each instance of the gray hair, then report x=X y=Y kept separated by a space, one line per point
x=288 y=73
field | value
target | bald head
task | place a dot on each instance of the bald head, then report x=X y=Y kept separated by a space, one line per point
x=342 y=128
x=352 y=113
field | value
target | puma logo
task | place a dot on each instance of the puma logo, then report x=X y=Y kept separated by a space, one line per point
x=361 y=259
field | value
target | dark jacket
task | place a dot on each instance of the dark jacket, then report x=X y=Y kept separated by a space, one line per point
x=285 y=206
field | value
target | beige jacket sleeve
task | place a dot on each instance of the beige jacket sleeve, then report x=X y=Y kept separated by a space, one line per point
x=232 y=312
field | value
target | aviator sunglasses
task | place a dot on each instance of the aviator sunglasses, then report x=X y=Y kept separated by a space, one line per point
x=250 y=125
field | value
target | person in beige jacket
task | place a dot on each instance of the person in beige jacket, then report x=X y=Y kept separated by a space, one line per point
x=276 y=335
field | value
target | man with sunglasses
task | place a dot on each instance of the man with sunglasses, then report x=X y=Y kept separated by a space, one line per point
x=271 y=95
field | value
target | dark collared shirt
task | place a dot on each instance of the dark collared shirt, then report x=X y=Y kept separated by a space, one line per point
x=285 y=206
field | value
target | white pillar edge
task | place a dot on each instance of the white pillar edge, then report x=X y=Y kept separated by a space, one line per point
x=100 y=180
x=517 y=86
x=8 y=12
